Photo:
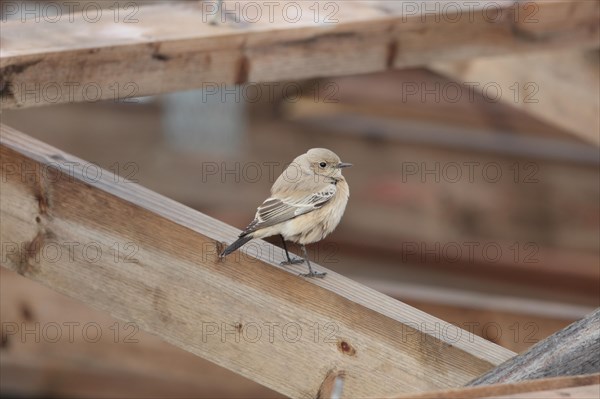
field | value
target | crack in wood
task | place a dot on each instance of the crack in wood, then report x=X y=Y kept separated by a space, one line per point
x=392 y=52
x=41 y=194
x=320 y=38
x=157 y=55
x=243 y=70
x=160 y=57
x=31 y=251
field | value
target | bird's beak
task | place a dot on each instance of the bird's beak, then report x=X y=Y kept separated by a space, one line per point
x=343 y=165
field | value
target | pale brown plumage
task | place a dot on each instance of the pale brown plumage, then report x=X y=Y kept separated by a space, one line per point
x=306 y=204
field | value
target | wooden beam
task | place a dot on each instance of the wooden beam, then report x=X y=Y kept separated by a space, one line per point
x=511 y=389
x=49 y=349
x=154 y=262
x=356 y=119
x=423 y=96
x=559 y=87
x=83 y=58
x=583 y=392
x=571 y=351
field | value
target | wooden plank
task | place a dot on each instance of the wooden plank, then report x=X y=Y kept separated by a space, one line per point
x=424 y=96
x=558 y=213
x=49 y=349
x=388 y=123
x=84 y=59
x=585 y=392
x=524 y=387
x=174 y=286
x=122 y=368
x=571 y=351
x=560 y=87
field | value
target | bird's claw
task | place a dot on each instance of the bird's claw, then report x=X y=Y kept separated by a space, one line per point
x=293 y=261
x=313 y=275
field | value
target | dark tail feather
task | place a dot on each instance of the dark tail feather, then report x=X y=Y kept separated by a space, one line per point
x=238 y=243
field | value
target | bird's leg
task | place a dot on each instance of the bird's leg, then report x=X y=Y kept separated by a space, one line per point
x=290 y=261
x=310 y=273
x=217 y=16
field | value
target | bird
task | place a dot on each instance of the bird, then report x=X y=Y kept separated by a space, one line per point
x=306 y=204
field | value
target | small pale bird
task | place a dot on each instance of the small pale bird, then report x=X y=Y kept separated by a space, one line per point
x=306 y=204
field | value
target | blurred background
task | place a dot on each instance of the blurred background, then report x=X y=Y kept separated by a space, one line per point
x=478 y=204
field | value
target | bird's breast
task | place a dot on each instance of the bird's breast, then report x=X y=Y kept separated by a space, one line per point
x=316 y=225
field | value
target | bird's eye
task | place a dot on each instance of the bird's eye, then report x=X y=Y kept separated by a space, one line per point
x=323 y=164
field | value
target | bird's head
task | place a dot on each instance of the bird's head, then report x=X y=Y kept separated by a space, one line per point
x=324 y=162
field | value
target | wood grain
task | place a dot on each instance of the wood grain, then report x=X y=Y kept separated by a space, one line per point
x=584 y=392
x=74 y=60
x=571 y=351
x=49 y=349
x=560 y=88
x=521 y=388
x=174 y=286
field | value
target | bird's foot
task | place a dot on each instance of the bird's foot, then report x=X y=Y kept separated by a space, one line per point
x=292 y=261
x=313 y=275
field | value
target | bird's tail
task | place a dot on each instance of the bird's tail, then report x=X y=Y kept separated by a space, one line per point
x=235 y=245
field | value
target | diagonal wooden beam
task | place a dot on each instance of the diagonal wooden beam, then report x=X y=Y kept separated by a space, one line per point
x=151 y=261
x=170 y=47
x=559 y=87
x=570 y=351
x=47 y=334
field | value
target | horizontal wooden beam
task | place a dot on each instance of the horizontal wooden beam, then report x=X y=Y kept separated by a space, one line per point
x=524 y=387
x=582 y=392
x=149 y=260
x=170 y=47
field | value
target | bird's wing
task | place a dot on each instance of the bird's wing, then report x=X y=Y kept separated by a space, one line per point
x=278 y=210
